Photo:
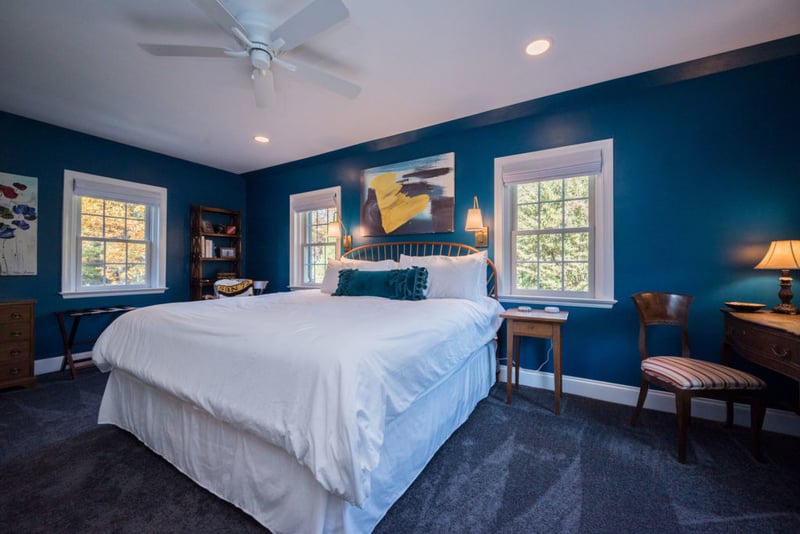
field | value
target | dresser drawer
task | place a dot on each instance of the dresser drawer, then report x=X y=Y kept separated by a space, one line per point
x=525 y=328
x=10 y=332
x=770 y=347
x=15 y=314
x=13 y=371
x=15 y=352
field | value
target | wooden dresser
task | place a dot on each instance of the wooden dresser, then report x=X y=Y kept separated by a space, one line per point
x=16 y=343
x=768 y=339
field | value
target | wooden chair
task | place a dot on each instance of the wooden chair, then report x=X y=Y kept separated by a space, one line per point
x=688 y=378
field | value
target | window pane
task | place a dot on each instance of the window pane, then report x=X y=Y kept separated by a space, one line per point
x=528 y=217
x=576 y=213
x=91 y=226
x=527 y=193
x=576 y=277
x=116 y=252
x=550 y=276
x=92 y=252
x=551 y=247
x=115 y=208
x=576 y=187
x=137 y=252
x=115 y=274
x=115 y=228
x=136 y=274
x=135 y=229
x=551 y=189
x=136 y=211
x=526 y=276
x=552 y=216
x=91 y=275
x=92 y=205
x=576 y=246
x=527 y=248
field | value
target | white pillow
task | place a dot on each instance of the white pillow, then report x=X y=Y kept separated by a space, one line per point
x=461 y=277
x=331 y=280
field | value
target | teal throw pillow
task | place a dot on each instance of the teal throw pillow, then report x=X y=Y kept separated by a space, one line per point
x=398 y=284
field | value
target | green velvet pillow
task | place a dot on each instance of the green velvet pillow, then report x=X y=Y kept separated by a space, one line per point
x=398 y=284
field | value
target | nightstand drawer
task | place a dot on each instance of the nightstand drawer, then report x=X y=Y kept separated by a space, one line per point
x=15 y=352
x=525 y=328
x=13 y=371
x=15 y=314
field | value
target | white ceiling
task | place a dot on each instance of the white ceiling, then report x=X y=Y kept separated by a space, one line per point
x=76 y=64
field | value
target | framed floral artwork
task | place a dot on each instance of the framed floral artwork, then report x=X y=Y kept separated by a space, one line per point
x=19 y=198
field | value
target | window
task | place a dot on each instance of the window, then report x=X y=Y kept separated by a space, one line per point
x=114 y=239
x=555 y=227
x=311 y=214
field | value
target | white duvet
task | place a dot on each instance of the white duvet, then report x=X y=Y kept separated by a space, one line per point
x=316 y=375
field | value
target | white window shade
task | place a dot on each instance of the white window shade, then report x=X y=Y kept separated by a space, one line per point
x=110 y=189
x=581 y=163
x=314 y=200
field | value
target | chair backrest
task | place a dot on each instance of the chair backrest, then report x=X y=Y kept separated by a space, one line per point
x=233 y=287
x=670 y=309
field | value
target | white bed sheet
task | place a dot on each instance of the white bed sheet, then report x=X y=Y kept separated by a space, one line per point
x=315 y=375
x=269 y=484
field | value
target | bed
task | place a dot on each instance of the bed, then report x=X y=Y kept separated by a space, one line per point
x=312 y=410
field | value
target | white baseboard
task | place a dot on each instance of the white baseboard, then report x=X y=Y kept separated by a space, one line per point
x=781 y=421
x=53 y=365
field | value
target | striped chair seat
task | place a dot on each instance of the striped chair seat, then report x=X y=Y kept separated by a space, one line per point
x=686 y=373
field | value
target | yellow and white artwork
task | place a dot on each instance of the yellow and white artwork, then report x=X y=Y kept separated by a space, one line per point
x=19 y=197
x=413 y=197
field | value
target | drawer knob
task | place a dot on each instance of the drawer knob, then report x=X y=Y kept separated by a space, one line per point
x=16 y=333
x=16 y=315
x=15 y=353
x=780 y=352
x=15 y=371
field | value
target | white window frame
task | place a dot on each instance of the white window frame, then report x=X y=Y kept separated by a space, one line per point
x=298 y=204
x=71 y=256
x=602 y=228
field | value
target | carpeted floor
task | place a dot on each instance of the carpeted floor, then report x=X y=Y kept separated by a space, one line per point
x=515 y=468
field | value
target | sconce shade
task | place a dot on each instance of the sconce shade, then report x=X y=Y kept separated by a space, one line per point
x=334 y=229
x=474 y=217
x=781 y=255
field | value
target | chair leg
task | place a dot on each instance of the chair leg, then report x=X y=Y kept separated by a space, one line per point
x=639 y=403
x=758 y=408
x=683 y=409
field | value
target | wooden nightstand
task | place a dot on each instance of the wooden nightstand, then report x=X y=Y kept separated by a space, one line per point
x=16 y=343
x=539 y=324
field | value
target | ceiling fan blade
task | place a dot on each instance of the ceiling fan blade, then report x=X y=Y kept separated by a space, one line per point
x=317 y=16
x=263 y=87
x=323 y=79
x=184 y=50
x=219 y=14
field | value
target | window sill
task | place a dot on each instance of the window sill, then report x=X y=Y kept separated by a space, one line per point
x=112 y=292
x=559 y=301
x=302 y=288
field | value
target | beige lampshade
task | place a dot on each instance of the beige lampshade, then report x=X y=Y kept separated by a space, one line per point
x=334 y=229
x=781 y=255
x=474 y=217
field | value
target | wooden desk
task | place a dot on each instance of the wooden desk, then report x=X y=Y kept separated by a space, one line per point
x=538 y=324
x=771 y=340
x=69 y=339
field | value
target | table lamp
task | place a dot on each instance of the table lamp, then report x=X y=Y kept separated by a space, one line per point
x=784 y=256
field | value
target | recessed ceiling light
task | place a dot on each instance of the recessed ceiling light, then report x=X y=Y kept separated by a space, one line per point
x=537 y=47
x=261 y=139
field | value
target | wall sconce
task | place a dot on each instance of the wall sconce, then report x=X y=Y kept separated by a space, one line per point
x=475 y=224
x=783 y=255
x=337 y=229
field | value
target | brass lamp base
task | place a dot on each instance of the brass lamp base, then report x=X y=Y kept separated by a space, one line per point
x=785 y=294
x=785 y=308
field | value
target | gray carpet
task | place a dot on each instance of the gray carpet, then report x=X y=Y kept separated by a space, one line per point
x=515 y=468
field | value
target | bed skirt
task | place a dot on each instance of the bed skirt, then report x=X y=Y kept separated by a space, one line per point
x=269 y=484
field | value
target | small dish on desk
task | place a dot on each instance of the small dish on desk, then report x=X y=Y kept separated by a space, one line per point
x=744 y=306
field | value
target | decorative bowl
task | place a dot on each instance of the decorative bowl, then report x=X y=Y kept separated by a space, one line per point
x=744 y=306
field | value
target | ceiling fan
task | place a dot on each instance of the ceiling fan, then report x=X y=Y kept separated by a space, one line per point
x=264 y=47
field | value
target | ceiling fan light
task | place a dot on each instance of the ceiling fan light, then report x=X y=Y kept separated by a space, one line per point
x=259 y=58
x=261 y=139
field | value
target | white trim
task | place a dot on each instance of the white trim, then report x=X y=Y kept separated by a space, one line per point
x=157 y=275
x=781 y=421
x=306 y=202
x=602 y=221
x=53 y=365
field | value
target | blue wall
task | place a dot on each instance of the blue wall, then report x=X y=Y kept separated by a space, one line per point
x=706 y=174
x=32 y=148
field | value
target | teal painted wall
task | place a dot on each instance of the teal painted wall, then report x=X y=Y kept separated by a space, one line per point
x=706 y=174
x=33 y=148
